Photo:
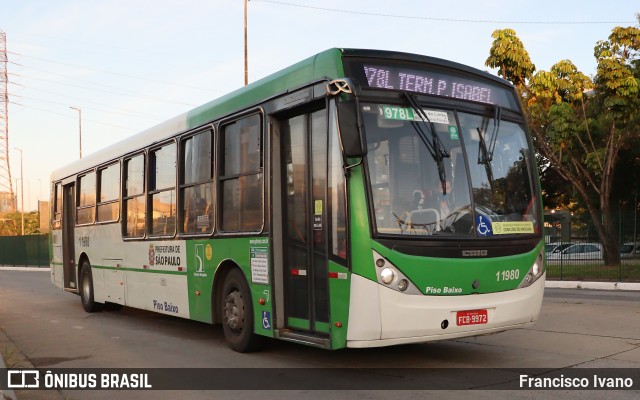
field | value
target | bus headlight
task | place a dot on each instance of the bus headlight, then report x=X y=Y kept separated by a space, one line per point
x=535 y=272
x=535 y=269
x=390 y=276
x=387 y=276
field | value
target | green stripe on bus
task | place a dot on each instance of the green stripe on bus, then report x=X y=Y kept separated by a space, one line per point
x=151 y=271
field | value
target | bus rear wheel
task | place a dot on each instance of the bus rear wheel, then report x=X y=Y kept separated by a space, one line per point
x=237 y=314
x=86 y=289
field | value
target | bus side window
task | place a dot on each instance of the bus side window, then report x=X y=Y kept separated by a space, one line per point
x=196 y=188
x=162 y=190
x=133 y=197
x=241 y=188
x=87 y=199
x=109 y=193
x=57 y=207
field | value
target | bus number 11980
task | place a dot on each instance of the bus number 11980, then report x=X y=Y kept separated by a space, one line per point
x=507 y=275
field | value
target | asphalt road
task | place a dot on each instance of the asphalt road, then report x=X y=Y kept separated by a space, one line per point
x=47 y=328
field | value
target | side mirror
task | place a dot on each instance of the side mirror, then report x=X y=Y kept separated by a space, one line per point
x=350 y=128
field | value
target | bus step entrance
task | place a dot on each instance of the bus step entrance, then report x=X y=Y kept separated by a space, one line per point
x=304 y=338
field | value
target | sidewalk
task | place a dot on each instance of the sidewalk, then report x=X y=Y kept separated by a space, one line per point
x=12 y=357
x=8 y=394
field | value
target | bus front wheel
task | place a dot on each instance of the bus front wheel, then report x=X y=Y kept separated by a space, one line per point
x=86 y=289
x=237 y=314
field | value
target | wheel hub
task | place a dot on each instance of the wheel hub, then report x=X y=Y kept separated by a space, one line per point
x=86 y=289
x=234 y=310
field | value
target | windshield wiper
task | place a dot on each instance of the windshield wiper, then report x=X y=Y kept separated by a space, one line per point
x=434 y=146
x=485 y=155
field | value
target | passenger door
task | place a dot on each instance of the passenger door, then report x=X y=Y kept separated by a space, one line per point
x=68 y=237
x=303 y=181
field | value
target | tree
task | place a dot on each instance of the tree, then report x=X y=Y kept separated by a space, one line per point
x=11 y=224
x=580 y=137
x=509 y=56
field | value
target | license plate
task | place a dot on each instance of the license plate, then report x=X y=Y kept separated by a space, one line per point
x=471 y=317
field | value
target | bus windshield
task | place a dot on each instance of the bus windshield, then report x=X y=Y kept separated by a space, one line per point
x=440 y=172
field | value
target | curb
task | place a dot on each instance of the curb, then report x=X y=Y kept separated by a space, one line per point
x=21 y=362
x=7 y=394
x=592 y=285
x=12 y=268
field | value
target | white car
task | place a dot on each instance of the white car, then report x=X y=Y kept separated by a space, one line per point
x=555 y=247
x=578 y=251
x=630 y=250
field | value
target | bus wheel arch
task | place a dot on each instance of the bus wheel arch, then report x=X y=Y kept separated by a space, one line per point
x=86 y=287
x=216 y=291
x=233 y=307
x=81 y=260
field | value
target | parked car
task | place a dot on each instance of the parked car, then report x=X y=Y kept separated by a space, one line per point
x=556 y=247
x=578 y=251
x=630 y=250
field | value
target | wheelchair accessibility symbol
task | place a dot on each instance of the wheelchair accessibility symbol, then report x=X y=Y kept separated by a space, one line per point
x=483 y=225
x=266 y=320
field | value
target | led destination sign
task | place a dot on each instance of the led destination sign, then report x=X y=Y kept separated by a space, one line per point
x=437 y=82
x=387 y=78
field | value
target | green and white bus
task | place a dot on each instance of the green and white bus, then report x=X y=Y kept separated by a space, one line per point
x=358 y=198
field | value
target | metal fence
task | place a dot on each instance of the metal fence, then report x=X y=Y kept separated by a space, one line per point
x=28 y=250
x=574 y=252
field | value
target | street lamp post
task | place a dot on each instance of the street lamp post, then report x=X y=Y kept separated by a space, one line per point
x=38 y=203
x=246 y=49
x=21 y=189
x=79 y=126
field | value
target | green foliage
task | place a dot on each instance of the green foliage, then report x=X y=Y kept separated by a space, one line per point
x=625 y=42
x=615 y=78
x=618 y=78
x=563 y=83
x=510 y=57
x=544 y=87
x=562 y=126
x=570 y=82
x=11 y=224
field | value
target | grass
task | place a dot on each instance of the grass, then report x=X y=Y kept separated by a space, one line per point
x=574 y=270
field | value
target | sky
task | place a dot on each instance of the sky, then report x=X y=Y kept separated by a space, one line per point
x=131 y=64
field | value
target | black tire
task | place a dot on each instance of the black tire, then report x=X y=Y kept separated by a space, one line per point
x=237 y=314
x=86 y=289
